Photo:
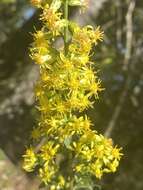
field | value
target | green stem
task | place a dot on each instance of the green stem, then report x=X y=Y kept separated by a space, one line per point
x=66 y=27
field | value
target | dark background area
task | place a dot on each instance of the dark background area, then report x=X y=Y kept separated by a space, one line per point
x=117 y=114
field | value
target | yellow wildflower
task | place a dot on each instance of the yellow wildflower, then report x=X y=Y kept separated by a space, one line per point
x=52 y=20
x=79 y=167
x=40 y=39
x=36 y=133
x=113 y=165
x=98 y=35
x=94 y=88
x=46 y=173
x=61 y=182
x=48 y=151
x=116 y=152
x=65 y=88
x=29 y=160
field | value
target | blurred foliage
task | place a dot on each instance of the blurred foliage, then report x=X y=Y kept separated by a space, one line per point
x=7 y=1
x=12 y=14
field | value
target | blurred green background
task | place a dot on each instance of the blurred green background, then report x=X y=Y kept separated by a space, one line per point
x=118 y=113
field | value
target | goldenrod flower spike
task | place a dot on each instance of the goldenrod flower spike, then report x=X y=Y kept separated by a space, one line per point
x=68 y=147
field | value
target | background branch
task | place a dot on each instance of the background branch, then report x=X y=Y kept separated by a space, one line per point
x=127 y=57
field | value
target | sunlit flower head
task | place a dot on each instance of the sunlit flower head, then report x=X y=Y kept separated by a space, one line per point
x=52 y=20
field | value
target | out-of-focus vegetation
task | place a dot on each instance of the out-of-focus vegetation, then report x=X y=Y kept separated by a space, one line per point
x=7 y=1
x=118 y=113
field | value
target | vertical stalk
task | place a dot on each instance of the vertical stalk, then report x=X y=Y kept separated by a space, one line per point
x=66 y=27
x=66 y=51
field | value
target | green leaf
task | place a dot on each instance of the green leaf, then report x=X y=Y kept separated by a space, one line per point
x=67 y=141
x=56 y=4
x=97 y=187
x=7 y=1
x=75 y=3
x=83 y=182
x=82 y=187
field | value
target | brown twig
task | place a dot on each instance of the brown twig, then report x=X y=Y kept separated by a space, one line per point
x=127 y=57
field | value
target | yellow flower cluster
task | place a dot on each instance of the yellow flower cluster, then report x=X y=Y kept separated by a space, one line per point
x=97 y=154
x=84 y=38
x=66 y=87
